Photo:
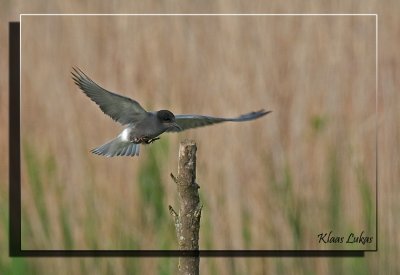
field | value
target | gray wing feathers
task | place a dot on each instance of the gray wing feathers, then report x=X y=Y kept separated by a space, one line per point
x=194 y=121
x=117 y=147
x=122 y=109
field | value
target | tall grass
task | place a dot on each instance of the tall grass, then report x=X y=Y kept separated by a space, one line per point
x=310 y=186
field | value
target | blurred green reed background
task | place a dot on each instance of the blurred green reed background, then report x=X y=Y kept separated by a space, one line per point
x=275 y=183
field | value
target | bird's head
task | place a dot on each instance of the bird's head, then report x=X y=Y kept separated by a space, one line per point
x=167 y=118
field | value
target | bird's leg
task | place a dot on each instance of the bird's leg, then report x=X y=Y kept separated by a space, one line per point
x=143 y=140
x=137 y=140
x=152 y=140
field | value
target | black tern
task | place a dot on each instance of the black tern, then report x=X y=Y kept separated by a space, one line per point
x=142 y=127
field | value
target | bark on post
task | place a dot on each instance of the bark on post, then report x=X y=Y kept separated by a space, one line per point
x=187 y=221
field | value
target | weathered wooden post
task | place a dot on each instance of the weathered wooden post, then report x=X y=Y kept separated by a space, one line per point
x=187 y=221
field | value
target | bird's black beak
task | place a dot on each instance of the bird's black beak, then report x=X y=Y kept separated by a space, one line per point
x=176 y=127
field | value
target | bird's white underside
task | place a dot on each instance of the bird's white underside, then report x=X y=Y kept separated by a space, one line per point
x=125 y=134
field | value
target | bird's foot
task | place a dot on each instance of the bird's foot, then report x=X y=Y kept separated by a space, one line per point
x=151 y=140
x=137 y=140
x=144 y=140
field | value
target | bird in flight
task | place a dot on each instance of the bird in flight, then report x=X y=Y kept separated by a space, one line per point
x=142 y=127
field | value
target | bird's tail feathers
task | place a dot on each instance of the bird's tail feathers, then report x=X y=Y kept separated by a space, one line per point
x=117 y=147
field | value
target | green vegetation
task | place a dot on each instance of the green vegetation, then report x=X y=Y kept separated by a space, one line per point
x=151 y=187
x=335 y=189
x=367 y=200
x=318 y=123
x=34 y=169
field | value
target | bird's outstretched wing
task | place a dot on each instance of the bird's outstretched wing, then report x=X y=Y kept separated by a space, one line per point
x=122 y=109
x=194 y=121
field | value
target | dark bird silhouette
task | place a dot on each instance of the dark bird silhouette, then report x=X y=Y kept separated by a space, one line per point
x=142 y=127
